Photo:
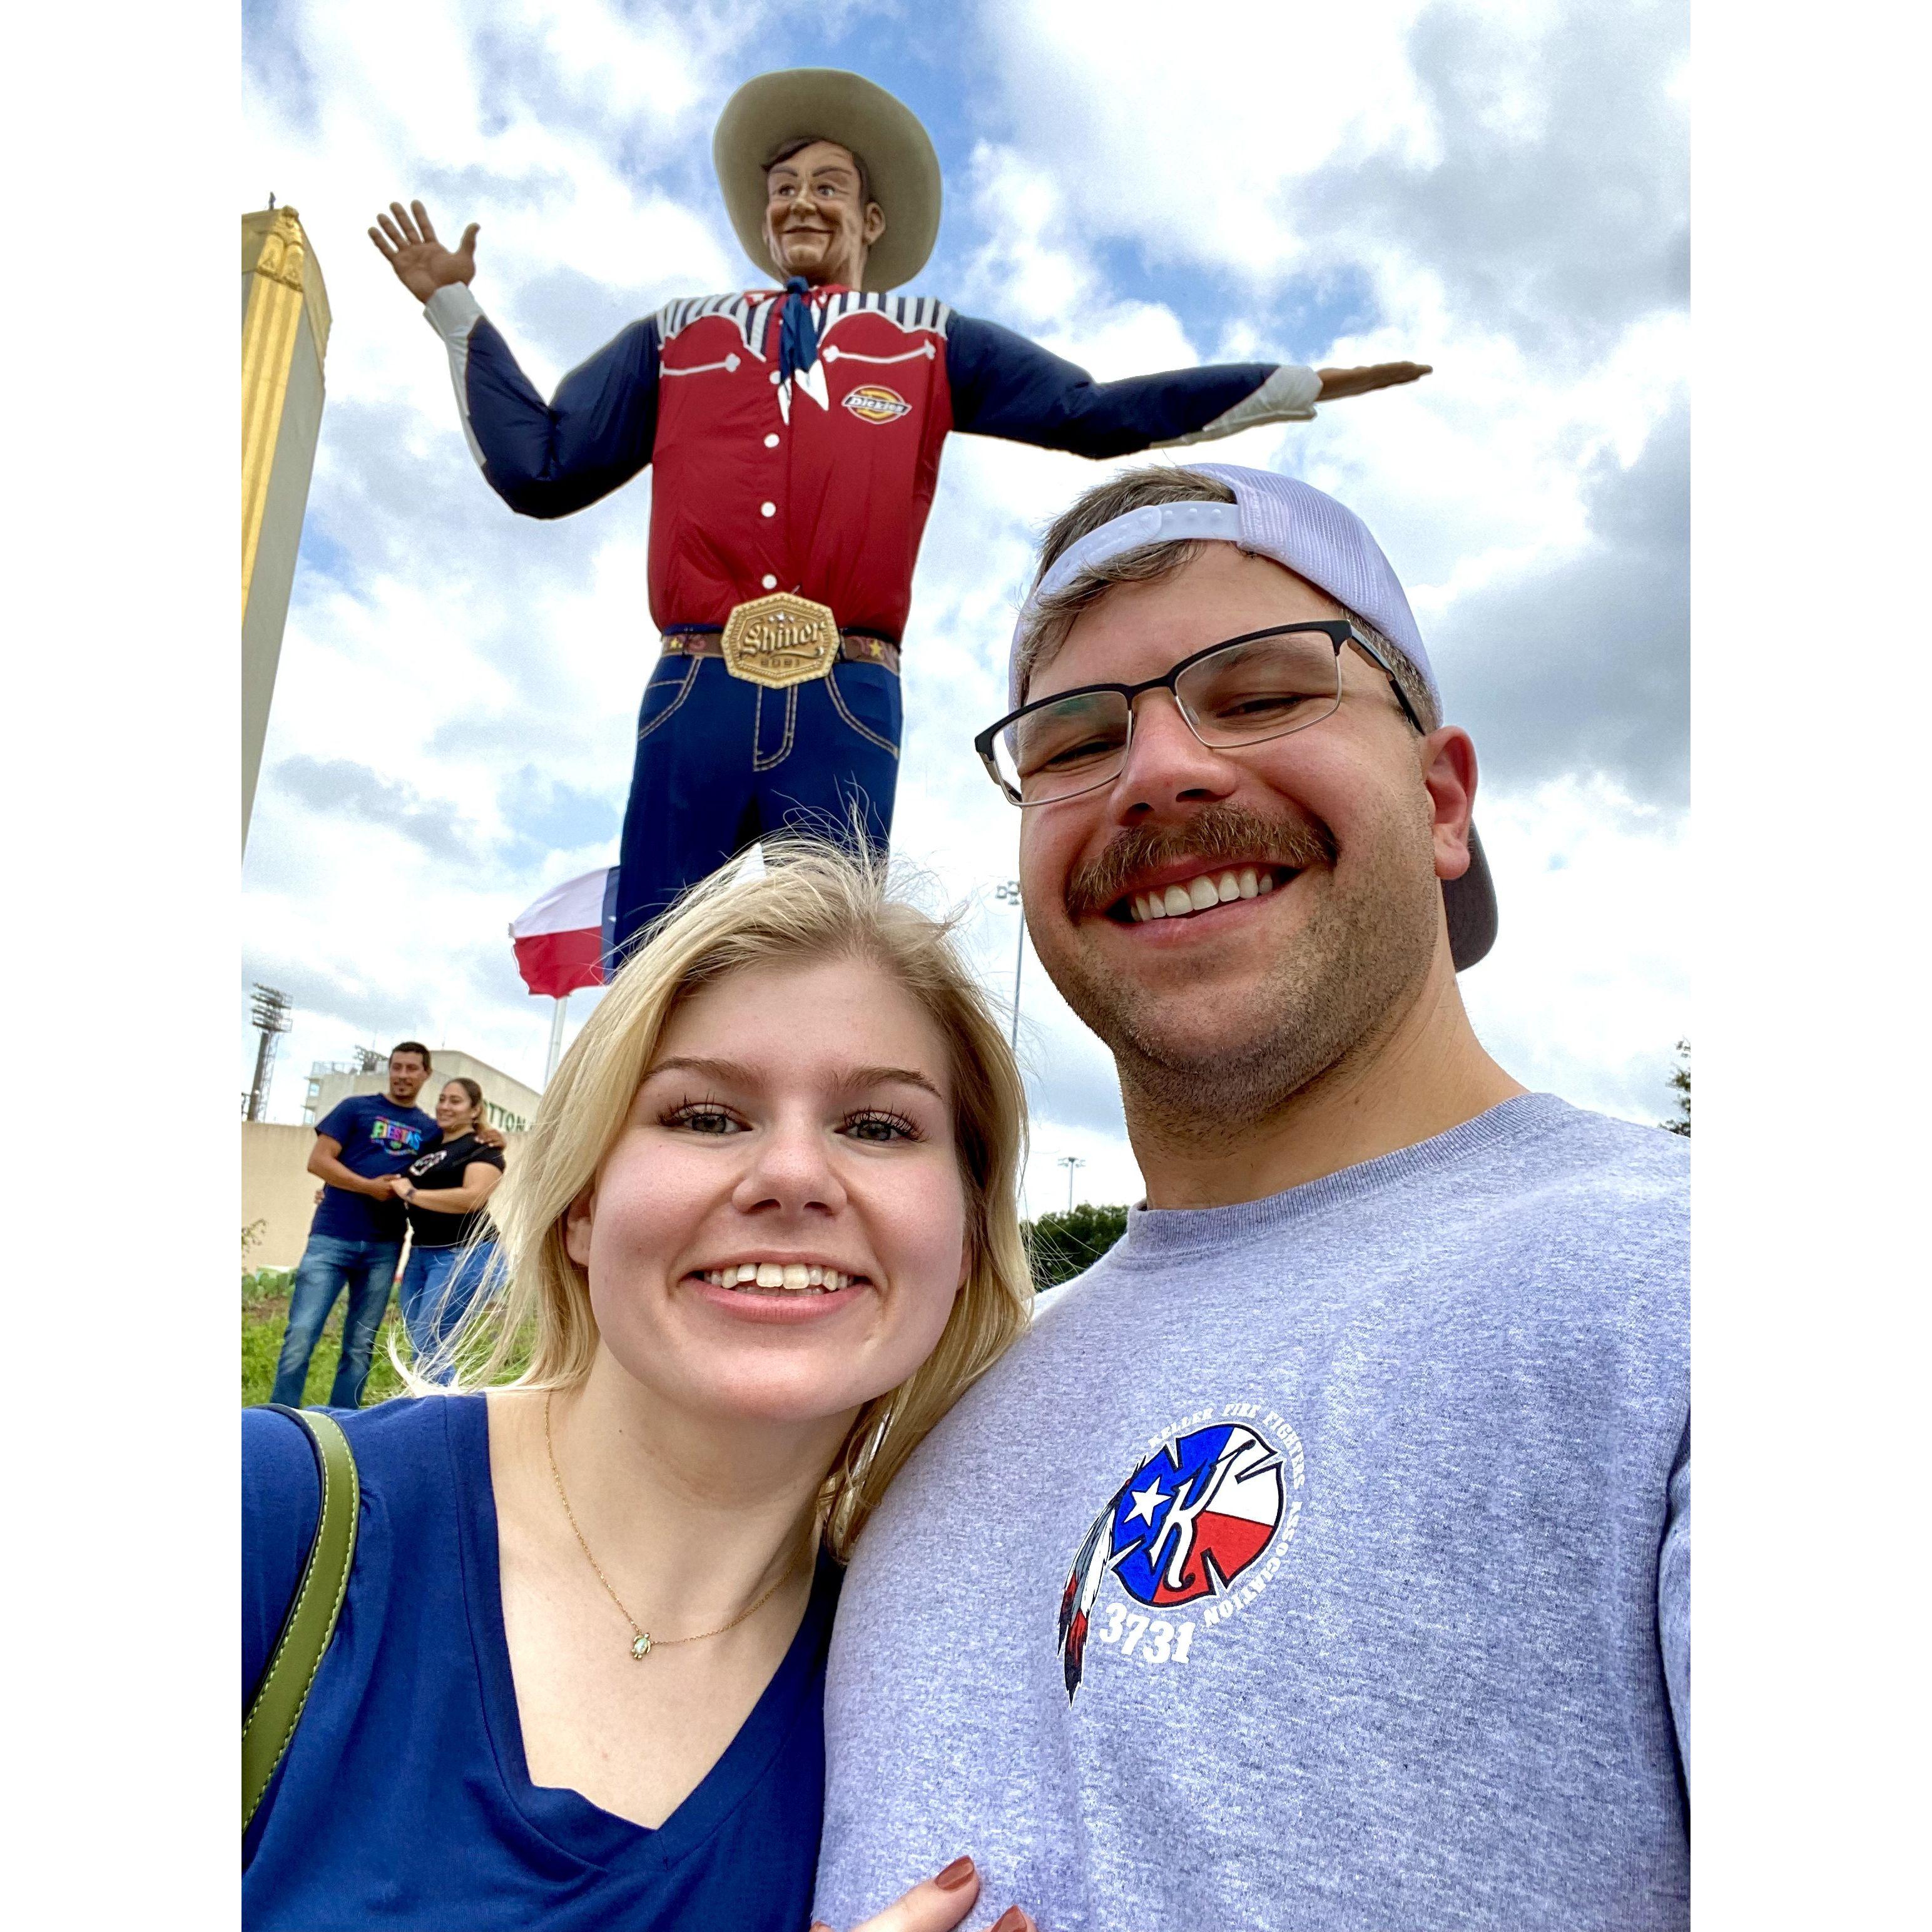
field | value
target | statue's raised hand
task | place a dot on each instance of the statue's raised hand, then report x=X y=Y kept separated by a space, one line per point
x=1337 y=383
x=407 y=242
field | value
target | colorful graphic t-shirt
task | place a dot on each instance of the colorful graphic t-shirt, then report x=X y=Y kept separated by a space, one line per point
x=377 y=1137
x=1319 y=1562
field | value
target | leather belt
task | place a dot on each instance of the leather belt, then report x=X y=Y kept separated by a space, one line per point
x=781 y=640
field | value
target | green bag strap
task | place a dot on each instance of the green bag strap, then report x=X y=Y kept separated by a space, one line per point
x=277 y=1706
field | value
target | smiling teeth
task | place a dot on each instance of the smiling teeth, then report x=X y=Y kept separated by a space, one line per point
x=788 y=1277
x=1245 y=882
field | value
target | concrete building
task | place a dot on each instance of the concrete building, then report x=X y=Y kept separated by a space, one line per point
x=284 y=337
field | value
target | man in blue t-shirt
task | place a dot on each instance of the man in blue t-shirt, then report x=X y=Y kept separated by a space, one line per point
x=356 y=1240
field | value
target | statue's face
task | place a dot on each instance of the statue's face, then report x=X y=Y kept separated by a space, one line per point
x=816 y=224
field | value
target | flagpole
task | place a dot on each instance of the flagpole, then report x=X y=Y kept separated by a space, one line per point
x=555 y=1036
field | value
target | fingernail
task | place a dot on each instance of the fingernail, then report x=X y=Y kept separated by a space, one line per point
x=955 y=1875
x=1012 y=1920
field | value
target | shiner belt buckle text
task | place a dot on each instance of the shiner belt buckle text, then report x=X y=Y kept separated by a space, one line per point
x=780 y=640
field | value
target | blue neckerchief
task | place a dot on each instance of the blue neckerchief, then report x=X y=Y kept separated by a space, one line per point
x=798 y=332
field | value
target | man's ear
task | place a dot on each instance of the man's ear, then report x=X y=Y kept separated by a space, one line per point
x=875 y=225
x=578 y=1220
x=1448 y=760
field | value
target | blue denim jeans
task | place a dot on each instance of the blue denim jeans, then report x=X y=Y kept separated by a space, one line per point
x=438 y=1285
x=722 y=762
x=328 y=1265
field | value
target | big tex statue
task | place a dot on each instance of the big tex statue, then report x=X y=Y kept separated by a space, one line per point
x=796 y=432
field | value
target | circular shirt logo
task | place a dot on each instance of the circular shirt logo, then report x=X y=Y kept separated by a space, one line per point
x=1193 y=1518
x=874 y=403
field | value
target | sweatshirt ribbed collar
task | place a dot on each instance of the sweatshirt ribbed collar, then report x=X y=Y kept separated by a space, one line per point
x=1158 y=1237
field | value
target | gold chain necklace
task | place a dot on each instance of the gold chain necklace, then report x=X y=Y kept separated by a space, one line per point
x=642 y=1642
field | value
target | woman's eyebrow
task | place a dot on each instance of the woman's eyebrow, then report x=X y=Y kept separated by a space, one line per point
x=891 y=1076
x=731 y=1073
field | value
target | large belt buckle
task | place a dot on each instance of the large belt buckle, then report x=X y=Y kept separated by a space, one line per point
x=780 y=640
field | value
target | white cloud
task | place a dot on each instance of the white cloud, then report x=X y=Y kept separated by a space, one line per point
x=1182 y=139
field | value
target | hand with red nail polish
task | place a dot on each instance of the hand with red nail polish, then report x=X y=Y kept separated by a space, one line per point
x=937 y=1905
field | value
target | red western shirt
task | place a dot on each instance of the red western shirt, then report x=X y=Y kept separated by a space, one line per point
x=819 y=485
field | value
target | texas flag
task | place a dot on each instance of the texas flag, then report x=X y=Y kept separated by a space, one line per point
x=561 y=939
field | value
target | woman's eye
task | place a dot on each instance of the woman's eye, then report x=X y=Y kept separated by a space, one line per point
x=702 y=1119
x=881 y=1127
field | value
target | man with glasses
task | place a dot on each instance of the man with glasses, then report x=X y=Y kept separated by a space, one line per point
x=1322 y=1557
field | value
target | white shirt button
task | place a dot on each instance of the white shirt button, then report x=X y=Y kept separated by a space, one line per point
x=768 y=509
x=774 y=378
x=770 y=582
x=772 y=441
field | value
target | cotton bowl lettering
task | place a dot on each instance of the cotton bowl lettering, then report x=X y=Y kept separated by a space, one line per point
x=1193 y=1518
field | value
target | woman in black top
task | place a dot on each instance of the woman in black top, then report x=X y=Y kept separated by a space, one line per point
x=451 y=1242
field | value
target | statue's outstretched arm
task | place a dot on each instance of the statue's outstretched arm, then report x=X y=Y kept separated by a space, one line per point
x=544 y=459
x=1004 y=385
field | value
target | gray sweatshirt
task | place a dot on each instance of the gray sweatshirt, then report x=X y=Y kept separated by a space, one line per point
x=1321 y=1562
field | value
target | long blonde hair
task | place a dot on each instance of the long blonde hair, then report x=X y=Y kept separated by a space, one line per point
x=815 y=901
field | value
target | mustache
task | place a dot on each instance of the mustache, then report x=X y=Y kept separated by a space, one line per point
x=1220 y=834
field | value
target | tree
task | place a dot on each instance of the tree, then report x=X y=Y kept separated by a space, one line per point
x=1680 y=1079
x=1062 y=1245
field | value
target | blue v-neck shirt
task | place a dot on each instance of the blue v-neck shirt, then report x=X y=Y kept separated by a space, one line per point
x=404 y=1800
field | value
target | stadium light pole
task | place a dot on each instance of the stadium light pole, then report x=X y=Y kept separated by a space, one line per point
x=273 y=1014
x=1070 y=1162
x=1008 y=893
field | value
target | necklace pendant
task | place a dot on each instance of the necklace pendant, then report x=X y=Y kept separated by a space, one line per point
x=640 y=1646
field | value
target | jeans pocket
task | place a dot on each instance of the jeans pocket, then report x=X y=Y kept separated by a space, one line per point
x=665 y=695
x=867 y=697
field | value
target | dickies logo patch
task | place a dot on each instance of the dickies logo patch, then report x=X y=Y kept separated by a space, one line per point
x=874 y=403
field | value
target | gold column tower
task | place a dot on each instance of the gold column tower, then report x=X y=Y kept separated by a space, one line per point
x=284 y=336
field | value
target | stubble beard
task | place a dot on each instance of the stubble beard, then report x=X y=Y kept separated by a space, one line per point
x=1205 y=1070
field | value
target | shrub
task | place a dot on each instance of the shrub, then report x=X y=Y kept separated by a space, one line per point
x=1064 y=1245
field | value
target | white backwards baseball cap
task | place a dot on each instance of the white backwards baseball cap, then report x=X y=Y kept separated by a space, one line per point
x=1327 y=544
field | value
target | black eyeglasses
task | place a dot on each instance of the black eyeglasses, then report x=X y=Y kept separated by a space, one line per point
x=1243 y=690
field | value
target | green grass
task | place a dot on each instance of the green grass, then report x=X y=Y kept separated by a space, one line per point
x=264 y=1308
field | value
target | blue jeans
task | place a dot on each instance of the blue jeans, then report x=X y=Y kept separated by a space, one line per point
x=722 y=762
x=328 y=1265
x=436 y=1293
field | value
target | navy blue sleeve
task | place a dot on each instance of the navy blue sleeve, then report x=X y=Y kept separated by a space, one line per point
x=1004 y=385
x=340 y=1121
x=281 y=1500
x=548 y=459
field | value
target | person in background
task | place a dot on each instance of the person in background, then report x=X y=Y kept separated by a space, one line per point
x=451 y=1242
x=355 y=1239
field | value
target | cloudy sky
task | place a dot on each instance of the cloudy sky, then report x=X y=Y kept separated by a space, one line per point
x=1497 y=189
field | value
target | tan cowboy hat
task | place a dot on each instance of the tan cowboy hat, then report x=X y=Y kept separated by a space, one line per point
x=834 y=106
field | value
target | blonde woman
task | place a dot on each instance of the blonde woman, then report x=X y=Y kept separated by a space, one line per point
x=762 y=1234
